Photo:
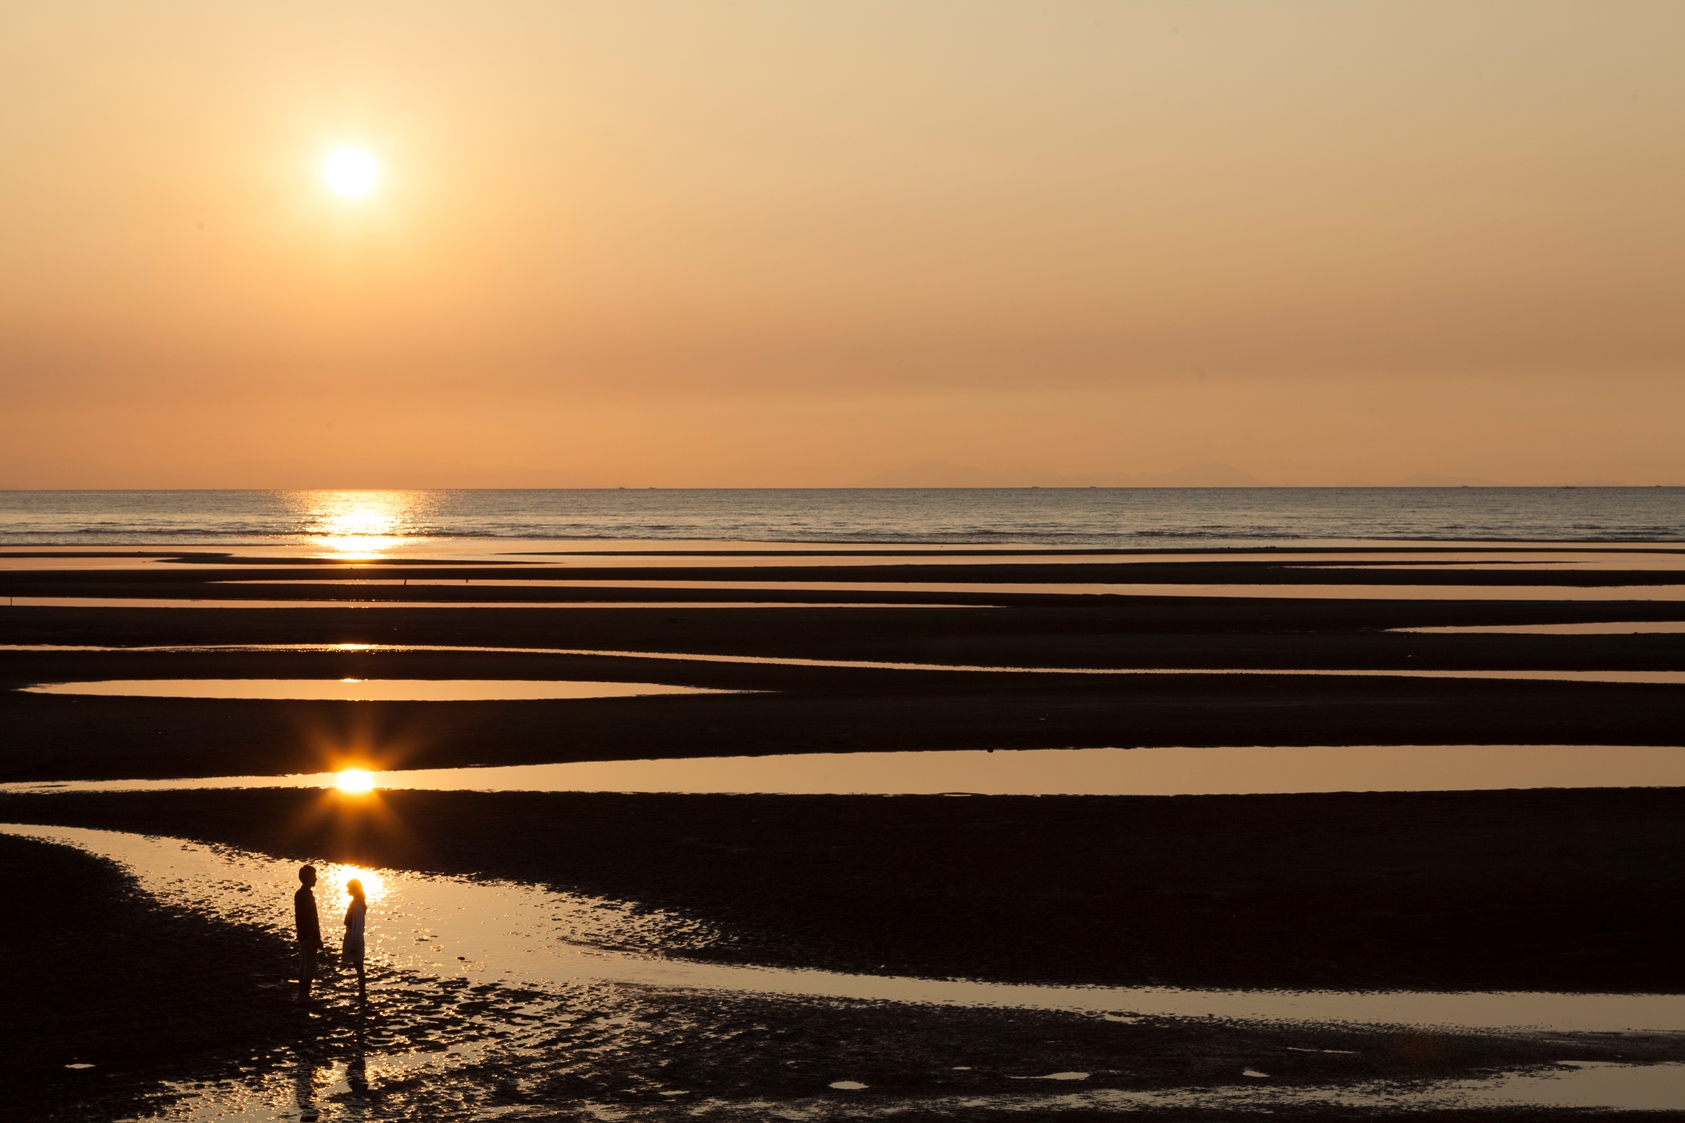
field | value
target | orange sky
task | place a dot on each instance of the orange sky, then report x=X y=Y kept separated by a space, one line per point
x=803 y=244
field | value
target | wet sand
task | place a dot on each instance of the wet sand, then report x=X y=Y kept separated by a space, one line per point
x=1541 y=890
x=96 y=974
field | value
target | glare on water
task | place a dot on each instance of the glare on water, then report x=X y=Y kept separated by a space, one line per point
x=361 y=525
x=374 y=886
x=355 y=781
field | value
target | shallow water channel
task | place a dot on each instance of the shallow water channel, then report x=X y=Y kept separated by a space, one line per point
x=430 y=924
x=367 y=690
x=547 y=942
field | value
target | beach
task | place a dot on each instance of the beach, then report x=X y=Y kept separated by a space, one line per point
x=842 y=562
x=1545 y=890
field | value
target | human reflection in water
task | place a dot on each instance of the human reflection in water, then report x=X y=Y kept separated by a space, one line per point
x=356 y=1104
x=357 y=1070
x=304 y=1088
x=352 y=953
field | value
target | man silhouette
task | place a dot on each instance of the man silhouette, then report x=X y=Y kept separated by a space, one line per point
x=309 y=930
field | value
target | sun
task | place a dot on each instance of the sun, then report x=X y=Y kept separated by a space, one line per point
x=350 y=172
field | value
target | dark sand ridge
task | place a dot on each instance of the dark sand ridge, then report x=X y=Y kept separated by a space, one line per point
x=440 y=689
x=519 y=555
x=1298 y=655
x=983 y=581
x=797 y=629
x=839 y=596
x=1075 y=631
x=491 y=558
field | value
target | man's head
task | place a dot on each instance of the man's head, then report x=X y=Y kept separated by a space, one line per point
x=308 y=876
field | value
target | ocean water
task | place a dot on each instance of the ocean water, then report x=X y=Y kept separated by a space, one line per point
x=1053 y=517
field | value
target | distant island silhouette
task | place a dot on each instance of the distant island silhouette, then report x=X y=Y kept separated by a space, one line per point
x=937 y=473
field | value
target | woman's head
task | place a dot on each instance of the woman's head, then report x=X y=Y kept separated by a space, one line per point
x=355 y=888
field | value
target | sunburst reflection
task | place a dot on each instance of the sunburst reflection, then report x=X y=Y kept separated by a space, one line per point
x=374 y=886
x=360 y=525
x=355 y=781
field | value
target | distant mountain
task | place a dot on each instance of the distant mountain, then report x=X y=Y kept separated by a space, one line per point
x=937 y=473
x=1429 y=479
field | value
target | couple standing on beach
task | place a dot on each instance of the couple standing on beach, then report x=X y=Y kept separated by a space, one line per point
x=310 y=932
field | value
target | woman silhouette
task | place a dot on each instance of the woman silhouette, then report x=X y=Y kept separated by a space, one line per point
x=352 y=952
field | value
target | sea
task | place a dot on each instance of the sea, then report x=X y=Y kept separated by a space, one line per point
x=1044 y=517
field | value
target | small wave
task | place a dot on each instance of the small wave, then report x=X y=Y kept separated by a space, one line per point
x=1046 y=516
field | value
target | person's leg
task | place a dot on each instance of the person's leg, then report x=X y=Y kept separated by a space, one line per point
x=306 y=971
x=362 y=986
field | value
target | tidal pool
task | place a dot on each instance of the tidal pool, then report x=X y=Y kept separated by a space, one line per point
x=1230 y=770
x=366 y=690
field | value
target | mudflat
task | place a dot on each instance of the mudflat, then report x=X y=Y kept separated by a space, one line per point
x=171 y=1015
x=1549 y=890
x=97 y=975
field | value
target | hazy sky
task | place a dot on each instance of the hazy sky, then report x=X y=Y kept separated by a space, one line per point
x=802 y=243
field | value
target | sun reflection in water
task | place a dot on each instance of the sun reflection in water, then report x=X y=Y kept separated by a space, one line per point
x=361 y=525
x=355 y=781
x=374 y=886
